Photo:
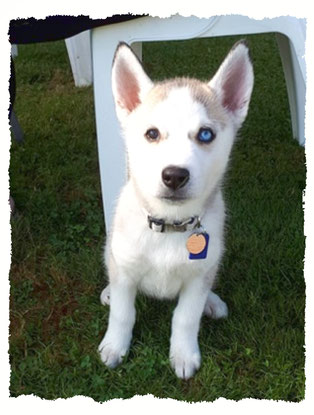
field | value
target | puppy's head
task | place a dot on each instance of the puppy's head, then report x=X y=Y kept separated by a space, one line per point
x=179 y=132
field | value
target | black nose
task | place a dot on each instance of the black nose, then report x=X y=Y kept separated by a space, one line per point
x=175 y=177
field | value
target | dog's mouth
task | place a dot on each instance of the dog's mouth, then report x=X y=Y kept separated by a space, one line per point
x=177 y=199
x=179 y=195
x=174 y=197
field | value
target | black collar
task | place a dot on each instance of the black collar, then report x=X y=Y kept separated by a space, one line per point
x=160 y=225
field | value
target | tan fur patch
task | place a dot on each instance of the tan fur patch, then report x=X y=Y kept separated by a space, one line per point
x=200 y=92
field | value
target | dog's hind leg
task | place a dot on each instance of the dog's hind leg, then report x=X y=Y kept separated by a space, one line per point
x=105 y=296
x=215 y=307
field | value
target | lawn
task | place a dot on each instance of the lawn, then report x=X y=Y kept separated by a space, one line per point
x=58 y=234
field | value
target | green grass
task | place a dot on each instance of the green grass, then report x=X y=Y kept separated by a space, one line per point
x=58 y=233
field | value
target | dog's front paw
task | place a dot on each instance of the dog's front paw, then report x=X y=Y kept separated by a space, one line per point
x=111 y=354
x=185 y=362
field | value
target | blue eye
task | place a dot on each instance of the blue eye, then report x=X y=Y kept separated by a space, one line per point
x=152 y=134
x=205 y=135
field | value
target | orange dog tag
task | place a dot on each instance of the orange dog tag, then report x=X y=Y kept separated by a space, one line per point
x=196 y=243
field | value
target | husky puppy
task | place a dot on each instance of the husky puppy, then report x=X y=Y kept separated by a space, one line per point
x=167 y=234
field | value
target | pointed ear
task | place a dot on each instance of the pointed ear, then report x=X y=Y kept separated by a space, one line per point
x=233 y=82
x=129 y=81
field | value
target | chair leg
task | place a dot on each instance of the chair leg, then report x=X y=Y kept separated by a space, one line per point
x=295 y=86
x=111 y=152
x=16 y=128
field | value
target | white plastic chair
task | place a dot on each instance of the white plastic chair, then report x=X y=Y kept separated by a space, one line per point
x=291 y=40
x=79 y=51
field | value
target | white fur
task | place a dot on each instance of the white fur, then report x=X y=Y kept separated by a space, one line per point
x=158 y=264
x=176 y=117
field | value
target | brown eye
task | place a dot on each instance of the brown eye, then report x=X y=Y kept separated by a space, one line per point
x=152 y=134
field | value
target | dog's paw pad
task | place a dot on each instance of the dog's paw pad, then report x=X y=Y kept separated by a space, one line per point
x=215 y=307
x=111 y=356
x=105 y=296
x=185 y=364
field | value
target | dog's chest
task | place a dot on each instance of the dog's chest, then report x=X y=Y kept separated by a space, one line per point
x=167 y=266
x=161 y=264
